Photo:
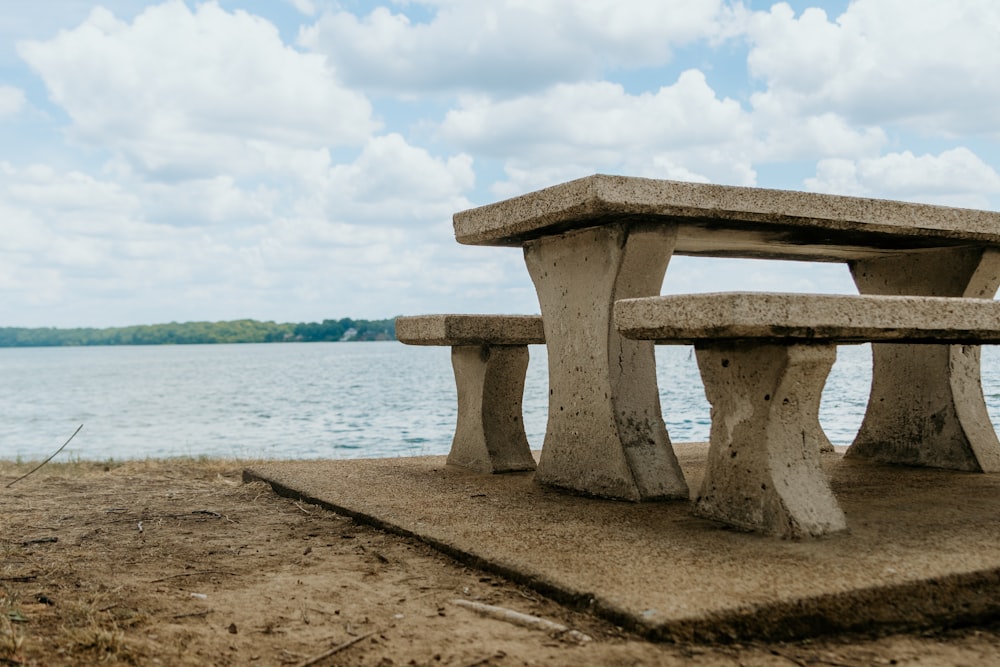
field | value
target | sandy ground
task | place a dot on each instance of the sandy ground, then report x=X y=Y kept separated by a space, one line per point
x=180 y=563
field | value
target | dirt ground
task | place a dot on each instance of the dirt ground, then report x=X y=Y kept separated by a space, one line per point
x=180 y=563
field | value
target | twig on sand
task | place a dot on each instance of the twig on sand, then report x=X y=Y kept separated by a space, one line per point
x=39 y=540
x=526 y=620
x=192 y=574
x=499 y=655
x=46 y=460
x=308 y=662
x=789 y=658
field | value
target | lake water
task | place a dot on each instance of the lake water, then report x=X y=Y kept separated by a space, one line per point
x=315 y=400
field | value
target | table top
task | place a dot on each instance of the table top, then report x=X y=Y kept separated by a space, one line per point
x=728 y=221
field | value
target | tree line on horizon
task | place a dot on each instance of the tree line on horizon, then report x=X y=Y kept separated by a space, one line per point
x=201 y=333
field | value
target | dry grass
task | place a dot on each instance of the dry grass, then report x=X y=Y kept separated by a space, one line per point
x=83 y=468
x=11 y=637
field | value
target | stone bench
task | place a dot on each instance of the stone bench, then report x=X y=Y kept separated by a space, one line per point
x=764 y=359
x=489 y=355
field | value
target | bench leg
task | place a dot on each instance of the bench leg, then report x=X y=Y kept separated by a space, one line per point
x=763 y=470
x=489 y=435
x=605 y=434
x=926 y=406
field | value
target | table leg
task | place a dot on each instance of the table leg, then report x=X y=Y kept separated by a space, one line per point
x=926 y=406
x=605 y=434
x=763 y=471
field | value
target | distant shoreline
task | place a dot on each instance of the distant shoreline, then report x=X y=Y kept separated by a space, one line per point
x=202 y=333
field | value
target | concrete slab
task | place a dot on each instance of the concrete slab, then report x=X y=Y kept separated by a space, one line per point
x=923 y=547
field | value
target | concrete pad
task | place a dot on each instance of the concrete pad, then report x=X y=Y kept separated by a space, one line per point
x=923 y=547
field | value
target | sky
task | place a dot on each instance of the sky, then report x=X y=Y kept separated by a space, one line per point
x=300 y=160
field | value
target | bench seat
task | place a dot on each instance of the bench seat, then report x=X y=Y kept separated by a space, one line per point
x=804 y=318
x=764 y=359
x=489 y=356
x=470 y=330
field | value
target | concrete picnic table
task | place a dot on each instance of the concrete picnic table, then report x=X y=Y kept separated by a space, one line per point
x=593 y=241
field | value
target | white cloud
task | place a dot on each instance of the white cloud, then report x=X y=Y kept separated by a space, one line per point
x=390 y=169
x=783 y=137
x=307 y=7
x=586 y=127
x=187 y=92
x=956 y=177
x=688 y=275
x=393 y=184
x=209 y=170
x=522 y=176
x=71 y=241
x=12 y=100
x=929 y=64
x=208 y=202
x=62 y=232
x=507 y=45
x=71 y=202
x=231 y=251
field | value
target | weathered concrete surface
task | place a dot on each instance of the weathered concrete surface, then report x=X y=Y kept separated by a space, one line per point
x=803 y=318
x=754 y=222
x=763 y=469
x=489 y=356
x=927 y=406
x=764 y=359
x=489 y=434
x=470 y=330
x=923 y=548
x=605 y=434
x=725 y=221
